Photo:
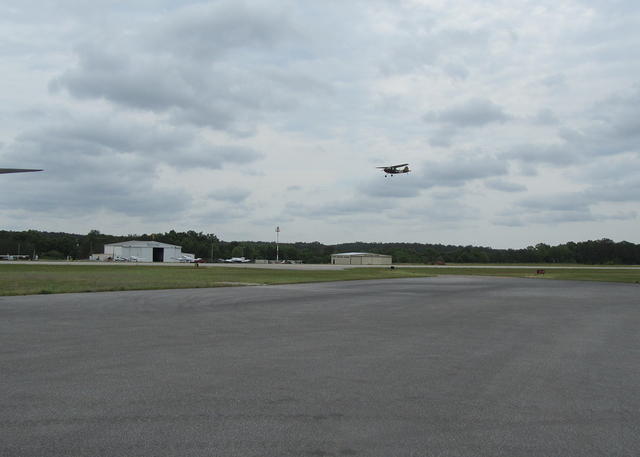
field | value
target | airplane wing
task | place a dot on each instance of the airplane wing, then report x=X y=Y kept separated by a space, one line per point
x=394 y=166
x=16 y=170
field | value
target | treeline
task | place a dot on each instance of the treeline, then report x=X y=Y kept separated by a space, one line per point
x=50 y=245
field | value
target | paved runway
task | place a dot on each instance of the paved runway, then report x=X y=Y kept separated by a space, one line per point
x=443 y=366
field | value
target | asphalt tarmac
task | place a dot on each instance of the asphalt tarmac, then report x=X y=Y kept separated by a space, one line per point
x=443 y=366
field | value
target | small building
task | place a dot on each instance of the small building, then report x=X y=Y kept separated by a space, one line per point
x=360 y=258
x=142 y=251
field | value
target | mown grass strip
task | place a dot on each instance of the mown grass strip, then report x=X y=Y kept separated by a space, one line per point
x=41 y=279
x=569 y=274
x=49 y=279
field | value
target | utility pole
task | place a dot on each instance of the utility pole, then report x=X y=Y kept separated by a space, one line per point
x=277 y=244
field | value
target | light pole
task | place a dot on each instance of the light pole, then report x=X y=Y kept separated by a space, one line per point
x=277 y=244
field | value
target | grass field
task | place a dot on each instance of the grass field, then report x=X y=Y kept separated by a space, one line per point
x=48 y=279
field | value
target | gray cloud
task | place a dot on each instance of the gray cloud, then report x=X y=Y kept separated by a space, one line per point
x=545 y=117
x=435 y=45
x=228 y=212
x=533 y=216
x=611 y=128
x=473 y=113
x=95 y=164
x=462 y=168
x=205 y=31
x=148 y=101
x=82 y=185
x=205 y=65
x=551 y=154
x=555 y=81
x=610 y=170
x=456 y=70
x=574 y=206
x=210 y=156
x=476 y=112
x=457 y=171
x=620 y=216
x=73 y=139
x=505 y=186
x=561 y=217
x=445 y=195
x=508 y=221
x=161 y=85
x=352 y=206
x=443 y=136
x=97 y=135
x=449 y=213
x=564 y=202
x=618 y=123
x=232 y=195
x=446 y=208
x=623 y=190
x=392 y=187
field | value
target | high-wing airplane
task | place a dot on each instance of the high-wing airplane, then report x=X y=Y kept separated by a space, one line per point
x=237 y=260
x=391 y=170
x=188 y=259
x=13 y=257
x=16 y=170
x=132 y=258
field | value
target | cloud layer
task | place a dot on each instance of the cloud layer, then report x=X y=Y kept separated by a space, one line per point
x=520 y=125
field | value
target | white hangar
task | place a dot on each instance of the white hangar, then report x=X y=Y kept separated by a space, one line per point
x=143 y=251
x=360 y=258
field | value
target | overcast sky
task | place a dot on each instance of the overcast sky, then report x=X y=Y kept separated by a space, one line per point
x=520 y=119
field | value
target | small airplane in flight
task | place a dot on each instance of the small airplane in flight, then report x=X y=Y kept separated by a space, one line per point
x=391 y=170
x=16 y=170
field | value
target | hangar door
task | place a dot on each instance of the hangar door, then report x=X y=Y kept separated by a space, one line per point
x=158 y=254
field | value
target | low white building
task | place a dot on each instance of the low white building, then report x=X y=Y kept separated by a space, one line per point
x=360 y=258
x=142 y=251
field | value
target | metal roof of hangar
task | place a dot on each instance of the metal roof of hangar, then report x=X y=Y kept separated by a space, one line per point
x=352 y=254
x=143 y=244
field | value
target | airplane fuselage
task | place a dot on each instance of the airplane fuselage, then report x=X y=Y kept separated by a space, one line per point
x=395 y=170
x=237 y=260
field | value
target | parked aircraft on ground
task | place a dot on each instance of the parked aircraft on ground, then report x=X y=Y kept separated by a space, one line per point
x=14 y=257
x=188 y=259
x=133 y=258
x=236 y=260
